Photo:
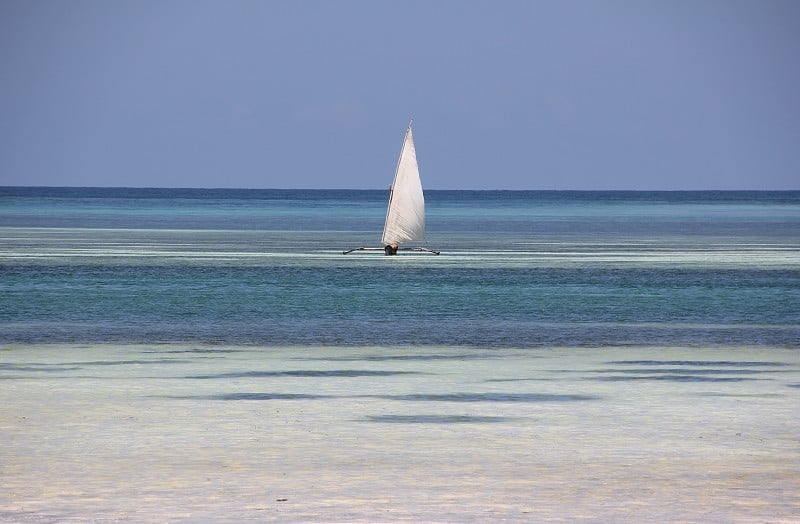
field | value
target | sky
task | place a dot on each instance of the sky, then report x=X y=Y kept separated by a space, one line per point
x=505 y=94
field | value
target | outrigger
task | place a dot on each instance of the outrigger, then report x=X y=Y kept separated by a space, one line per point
x=395 y=250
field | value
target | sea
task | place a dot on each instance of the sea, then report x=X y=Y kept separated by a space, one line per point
x=211 y=355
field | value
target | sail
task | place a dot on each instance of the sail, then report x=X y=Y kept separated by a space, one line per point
x=405 y=217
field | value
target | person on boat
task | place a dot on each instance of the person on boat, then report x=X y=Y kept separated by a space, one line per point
x=391 y=249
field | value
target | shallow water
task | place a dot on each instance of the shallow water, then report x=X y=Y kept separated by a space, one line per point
x=175 y=433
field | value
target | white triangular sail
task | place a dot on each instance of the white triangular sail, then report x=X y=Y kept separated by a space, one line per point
x=405 y=217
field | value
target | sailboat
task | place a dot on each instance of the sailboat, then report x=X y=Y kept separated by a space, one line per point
x=405 y=214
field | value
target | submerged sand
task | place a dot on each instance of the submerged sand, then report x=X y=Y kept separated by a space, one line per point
x=171 y=433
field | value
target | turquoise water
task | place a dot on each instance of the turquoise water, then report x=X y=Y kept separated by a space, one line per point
x=518 y=269
x=211 y=356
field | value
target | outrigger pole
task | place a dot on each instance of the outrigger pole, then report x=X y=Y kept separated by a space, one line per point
x=418 y=249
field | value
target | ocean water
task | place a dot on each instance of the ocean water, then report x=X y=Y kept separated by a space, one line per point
x=210 y=355
x=518 y=269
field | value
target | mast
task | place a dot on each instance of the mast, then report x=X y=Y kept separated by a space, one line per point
x=394 y=180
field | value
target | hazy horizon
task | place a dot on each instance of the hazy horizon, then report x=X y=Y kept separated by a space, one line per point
x=710 y=190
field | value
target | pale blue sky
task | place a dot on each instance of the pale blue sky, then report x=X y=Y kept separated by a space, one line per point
x=563 y=94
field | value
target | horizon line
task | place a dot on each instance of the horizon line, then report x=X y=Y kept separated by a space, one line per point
x=238 y=188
